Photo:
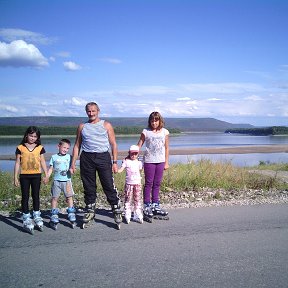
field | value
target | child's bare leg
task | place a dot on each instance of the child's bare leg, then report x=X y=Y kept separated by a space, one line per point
x=69 y=201
x=54 y=202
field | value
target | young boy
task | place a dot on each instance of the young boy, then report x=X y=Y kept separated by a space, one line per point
x=61 y=163
x=133 y=188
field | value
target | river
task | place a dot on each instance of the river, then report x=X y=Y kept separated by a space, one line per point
x=182 y=141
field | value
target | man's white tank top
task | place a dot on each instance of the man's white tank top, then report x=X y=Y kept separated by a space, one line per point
x=95 y=137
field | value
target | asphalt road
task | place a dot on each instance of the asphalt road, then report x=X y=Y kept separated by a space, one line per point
x=240 y=246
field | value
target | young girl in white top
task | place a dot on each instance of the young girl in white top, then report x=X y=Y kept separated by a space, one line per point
x=156 y=154
x=133 y=187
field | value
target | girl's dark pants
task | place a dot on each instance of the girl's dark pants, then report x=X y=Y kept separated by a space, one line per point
x=90 y=163
x=27 y=181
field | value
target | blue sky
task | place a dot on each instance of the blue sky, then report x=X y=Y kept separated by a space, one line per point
x=200 y=58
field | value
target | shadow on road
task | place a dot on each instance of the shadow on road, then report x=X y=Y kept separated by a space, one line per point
x=13 y=220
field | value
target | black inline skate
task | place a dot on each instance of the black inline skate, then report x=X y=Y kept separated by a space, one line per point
x=117 y=213
x=147 y=213
x=88 y=216
x=158 y=212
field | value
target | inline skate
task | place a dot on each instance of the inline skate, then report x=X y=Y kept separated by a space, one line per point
x=127 y=216
x=158 y=212
x=117 y=213
x=72 y=216
x=147 y=213
x=88 y=216
x=54 y=218
x=38 y=220
x=27 y=223
x=138 y=216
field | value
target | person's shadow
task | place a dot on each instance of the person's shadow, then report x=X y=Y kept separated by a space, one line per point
x=63 y=219
x=106 y=213
x=14 y=220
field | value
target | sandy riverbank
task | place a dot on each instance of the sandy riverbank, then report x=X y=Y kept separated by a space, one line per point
x=202 y=150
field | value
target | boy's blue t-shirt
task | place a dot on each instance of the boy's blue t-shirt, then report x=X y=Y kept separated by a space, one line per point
x=61 y=165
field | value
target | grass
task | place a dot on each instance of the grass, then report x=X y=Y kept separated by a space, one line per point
x=180 y=181
x=272 y=166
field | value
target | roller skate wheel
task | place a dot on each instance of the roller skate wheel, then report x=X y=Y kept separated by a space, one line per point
x=73 y=225
x=30 y=231
x=53 y=226
x=148 y=219
x=118 y=226
x=83 y=225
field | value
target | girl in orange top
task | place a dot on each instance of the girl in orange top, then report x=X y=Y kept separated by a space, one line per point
x=29 y=161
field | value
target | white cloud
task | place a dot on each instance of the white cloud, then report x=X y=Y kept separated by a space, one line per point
x=221 y=88
x=8 y=108
x=76 y=101
x=10 y=35
x=110 y=60
x=284 y=67
x=183 y=99
x=71 y=66
x=213 y=99
x=171 y=101
x=20 y=54
x=254 y=98
x=145 y=90
x=63 y=54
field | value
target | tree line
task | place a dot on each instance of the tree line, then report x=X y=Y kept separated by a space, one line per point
x=274 y=130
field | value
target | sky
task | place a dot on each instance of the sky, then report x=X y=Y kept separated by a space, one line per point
x=220 y=59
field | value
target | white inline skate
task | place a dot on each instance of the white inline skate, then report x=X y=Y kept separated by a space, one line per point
x=28 y=223
x=72 y=216
x=54 y=218
x=127 y=216
x=127 y=213
x=138 y=216
x=38 y=220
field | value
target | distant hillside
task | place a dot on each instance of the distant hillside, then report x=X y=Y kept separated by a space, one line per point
x=183 y=124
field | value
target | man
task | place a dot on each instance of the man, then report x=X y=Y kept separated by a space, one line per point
x=94 y=138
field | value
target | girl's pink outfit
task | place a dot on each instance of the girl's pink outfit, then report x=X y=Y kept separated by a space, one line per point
x=133 y=189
